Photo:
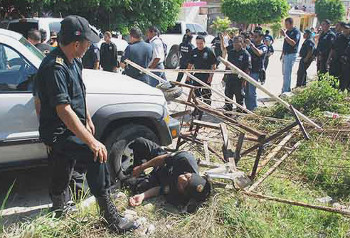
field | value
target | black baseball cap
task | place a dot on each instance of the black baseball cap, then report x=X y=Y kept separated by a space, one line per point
x=76 y=28
x=198 y=188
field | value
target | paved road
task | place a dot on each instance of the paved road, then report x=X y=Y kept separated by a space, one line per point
x=30 y=191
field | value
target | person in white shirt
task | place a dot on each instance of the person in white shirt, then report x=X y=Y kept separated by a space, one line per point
x=158 y=57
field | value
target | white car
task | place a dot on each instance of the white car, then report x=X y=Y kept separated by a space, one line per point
x=121 y=107
x=173 y=38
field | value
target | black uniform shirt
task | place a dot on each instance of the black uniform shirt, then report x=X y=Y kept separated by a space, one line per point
x=202 y=59
x=294 y=34
x=59 y=82
x=325 y=43
x=108 y=55
x=91 y=56
x=308 y=45
x=176 y=165
x=216 y=42
x=258 y=61
x=339 y=45
x=241 y=59
x=140 y=53
x=185 y=52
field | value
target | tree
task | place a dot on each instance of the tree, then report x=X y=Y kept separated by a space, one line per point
x=333 y=10
x=221 y=24
x=107 y=14
x=255 y=11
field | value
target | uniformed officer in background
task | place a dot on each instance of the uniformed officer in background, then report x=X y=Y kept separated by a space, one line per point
x=216 y=43
x=345 y=61
x=108 y=54
x=202 y=58
x=337 y=49
x=176 y=176
x=186 y=48
x=270 y=51
x=257 y=51
x=324 y=46
x=307 y=56
x=66 y=126
x=234 y=85
x=158 y=56
x=138 y=52
x=34 y=37
x=91 y=59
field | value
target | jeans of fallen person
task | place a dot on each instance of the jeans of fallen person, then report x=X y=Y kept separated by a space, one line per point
x=63 y=158
x=154 y=82
x=250 y=94
x=287 y=66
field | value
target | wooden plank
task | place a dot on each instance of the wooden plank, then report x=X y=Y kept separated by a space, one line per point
x=206 y=124
x=206 y=151
x=239 y=147
x=224 y=133
x=300 y=123
x=181 y=114
x=274 y=167
x=274 y=152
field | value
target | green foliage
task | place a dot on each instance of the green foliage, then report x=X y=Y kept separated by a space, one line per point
x=255 y=11
x=318 y=97
x=111 y=14
x=333 y=10
x=221 y=24
x=276 y=27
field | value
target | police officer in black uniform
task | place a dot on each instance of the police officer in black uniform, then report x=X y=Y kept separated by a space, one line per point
x=338 y=47
x=216 y=43
x=306 y=53
x=109 y=54
x=175 y=176
x=202 y=58
x=65 y=123
x=242 y=59
x=324 y=46
x=186 y=48
x=91 y=59
x=345 y=61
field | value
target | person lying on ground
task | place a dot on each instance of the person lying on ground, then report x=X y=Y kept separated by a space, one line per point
x=174 y=175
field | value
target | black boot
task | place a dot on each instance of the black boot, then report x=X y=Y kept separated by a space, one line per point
x=115 y=221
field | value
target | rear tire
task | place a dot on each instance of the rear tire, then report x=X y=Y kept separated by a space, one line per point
x=120 y=156
x=173 y=59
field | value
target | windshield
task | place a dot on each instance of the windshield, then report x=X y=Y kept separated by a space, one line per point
x=32 y=48
x=174 y=30
x=23 y=27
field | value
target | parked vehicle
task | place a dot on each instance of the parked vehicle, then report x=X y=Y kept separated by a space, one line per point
x=122 y=109
x=173 y=38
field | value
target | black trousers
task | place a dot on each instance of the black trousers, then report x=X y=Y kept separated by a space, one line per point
x=203 y=92
x=344 y=81
x=335 y=68
x=266 y=62
x=62 y=160
x=322 y=65
x=218 y=53
x=233 y=87
x=302 y=72
x=180 y=75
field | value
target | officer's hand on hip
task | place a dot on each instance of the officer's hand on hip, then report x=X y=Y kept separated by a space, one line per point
x=99 y=150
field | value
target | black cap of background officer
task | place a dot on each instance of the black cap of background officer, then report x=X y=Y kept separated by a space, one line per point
x=75 y=28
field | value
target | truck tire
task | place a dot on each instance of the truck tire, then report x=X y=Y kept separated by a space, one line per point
x=120 y=156
x=173 y=59
x=172 y=93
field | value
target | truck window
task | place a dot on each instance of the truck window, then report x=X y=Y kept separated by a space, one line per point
x=199 y=28
x=174 y=30
x=16 y=73
x=191 y=27
x=55 y=26
x=23 y=27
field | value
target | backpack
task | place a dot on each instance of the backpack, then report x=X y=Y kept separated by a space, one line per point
x=165 y=48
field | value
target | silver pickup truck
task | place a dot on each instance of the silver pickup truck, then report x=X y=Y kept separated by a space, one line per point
x=122 y=109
